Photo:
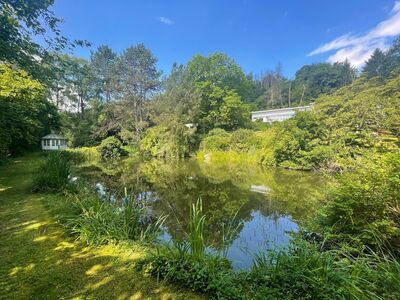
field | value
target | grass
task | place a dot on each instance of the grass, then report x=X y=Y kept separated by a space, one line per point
x=54 y=173
x=301 y=272
x=97 y=222
x=39 y=260
x=196 y=230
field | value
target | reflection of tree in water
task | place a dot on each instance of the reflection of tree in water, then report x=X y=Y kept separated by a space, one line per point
x=172 y=187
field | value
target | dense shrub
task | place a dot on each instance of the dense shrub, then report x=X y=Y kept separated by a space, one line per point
x=364 y=206
x=216 y=139
x=173 y=141
x=54 y=172
x=111 y=148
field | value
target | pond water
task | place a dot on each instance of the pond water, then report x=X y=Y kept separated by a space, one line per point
x=268 y=203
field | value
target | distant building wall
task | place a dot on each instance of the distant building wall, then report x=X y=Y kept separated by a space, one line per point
x=277 y=115
x=54 y=144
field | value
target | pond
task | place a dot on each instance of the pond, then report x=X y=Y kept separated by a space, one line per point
x=268 y=203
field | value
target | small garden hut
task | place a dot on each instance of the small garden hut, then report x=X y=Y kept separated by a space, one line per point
x=54 y=141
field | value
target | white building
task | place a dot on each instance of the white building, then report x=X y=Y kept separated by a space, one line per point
x=278 y=115
x=54 y=141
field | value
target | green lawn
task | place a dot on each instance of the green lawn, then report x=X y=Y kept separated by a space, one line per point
x=38 y=260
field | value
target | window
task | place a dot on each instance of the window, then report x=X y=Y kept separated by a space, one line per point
x=53 y=142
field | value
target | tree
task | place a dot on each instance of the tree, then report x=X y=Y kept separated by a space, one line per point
x=376 y=65
x=316 y=79
x=80 y=82
x=102 y=62
x=221 y=107
x=384 y=65
x=138 y=79
x=25 y=113
x=222 y=71
x=21 y=21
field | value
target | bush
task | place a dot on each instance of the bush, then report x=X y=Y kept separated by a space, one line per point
x=54 y=172
x=111 y=148
x=364 y=206
x=172 y=142
x=216 y=139
x=241 y=140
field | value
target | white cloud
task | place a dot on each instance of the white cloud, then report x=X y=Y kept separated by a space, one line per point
x=357 y=48
x=166 y=21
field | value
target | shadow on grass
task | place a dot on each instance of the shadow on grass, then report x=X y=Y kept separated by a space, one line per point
x=39 y=261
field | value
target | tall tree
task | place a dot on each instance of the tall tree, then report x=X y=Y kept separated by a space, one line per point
x=138 y=79
x=25 y=113
x=103 y=65
x=222 y=71
x=376 y=65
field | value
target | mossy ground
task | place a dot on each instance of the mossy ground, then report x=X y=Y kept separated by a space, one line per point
x=39 y=260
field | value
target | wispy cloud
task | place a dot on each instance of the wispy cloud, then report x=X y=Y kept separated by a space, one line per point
x=357 y=48
x=165 y=20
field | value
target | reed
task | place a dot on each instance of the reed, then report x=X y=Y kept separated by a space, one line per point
x=54 y=172
x=195 y=236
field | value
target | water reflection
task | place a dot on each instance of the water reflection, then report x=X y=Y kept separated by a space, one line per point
x=270 y=203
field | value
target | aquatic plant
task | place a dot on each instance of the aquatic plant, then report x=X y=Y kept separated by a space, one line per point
x=195 y=235
x=54 y=172
x=98 y=221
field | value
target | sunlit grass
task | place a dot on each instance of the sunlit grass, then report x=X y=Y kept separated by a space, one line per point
x=38 y=260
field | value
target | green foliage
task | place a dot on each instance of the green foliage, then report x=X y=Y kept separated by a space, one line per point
x=103 y=62
x=221 y=71
x=384 y=65
x=364 y=206
x=301 y=272
x=296 y=142
x=111 y=148
x=54 y=172
x=220 y=107
x=210 y=275
x=216 y=139
x=98 y=221
x=25 y=114
x=84 y=154
x=172 y=141
x=341 y=127
x=316 y=79
x=23 y=23
x=195 y=235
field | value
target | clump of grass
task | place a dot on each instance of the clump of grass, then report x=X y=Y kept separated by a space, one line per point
x=195 y=235
x=99 y=222
x=210 y=275
x=53 y=173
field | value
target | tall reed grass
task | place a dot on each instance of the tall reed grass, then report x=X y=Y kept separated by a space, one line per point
x=195 y=236
x=98 y=221
x=54 y=172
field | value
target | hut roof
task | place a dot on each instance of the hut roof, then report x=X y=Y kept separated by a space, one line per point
x=53 y=136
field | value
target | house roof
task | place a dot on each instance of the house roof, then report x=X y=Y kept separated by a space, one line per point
x=53 y=136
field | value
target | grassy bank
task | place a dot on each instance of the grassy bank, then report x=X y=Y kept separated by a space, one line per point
x=39 y=260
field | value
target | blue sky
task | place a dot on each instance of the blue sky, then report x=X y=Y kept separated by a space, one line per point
x=257 y=34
